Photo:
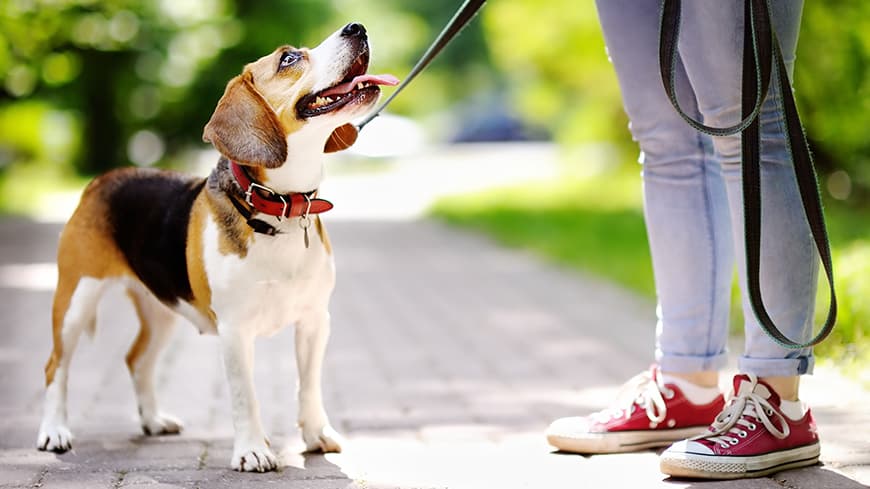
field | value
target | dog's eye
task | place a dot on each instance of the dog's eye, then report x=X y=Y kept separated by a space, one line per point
x=289 y=59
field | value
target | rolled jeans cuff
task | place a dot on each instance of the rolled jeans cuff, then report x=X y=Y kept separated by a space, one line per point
x=777 y=367
x=690 y=363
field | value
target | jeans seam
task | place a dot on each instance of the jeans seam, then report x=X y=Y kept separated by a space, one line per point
x=712 y=240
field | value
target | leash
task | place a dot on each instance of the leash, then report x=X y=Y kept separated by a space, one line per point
x=761 y=55
x=462 y=17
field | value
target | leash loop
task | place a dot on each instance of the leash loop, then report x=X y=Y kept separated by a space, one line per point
x=756 y=43
x=761 y=55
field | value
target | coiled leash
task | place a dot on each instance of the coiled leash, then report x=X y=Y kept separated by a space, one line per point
x=761 y=54
x=462 y=17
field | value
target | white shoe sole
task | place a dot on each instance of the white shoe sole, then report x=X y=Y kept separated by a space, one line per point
x=621 y=441
x=700 y=466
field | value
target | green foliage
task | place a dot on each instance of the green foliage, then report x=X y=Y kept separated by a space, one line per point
x=116 y=67
x=849 y=231
x=139 y=78
x=553 y=60
x=832 y=85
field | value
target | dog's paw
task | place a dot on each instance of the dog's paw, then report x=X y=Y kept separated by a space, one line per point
x=54 y=438
x=161 y=424
x=322 y=439
x=254 y=459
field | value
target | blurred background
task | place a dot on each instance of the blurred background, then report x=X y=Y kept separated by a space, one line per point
x=88 y=85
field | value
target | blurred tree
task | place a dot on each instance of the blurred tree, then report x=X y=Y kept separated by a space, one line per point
x=552 y=54
x=139 y=78
x=133 y=71
x=832 y=85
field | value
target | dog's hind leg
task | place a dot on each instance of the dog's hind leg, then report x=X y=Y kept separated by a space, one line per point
x=156 y=323
x=73 y=311
x=312 y=334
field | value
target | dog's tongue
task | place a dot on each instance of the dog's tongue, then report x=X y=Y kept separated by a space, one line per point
x=389 y=80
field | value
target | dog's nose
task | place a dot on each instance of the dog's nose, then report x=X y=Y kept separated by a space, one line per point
x=354 y=29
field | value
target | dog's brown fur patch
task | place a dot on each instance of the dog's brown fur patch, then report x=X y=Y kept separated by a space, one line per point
x=144 y=336
x=324 y=238
x=235 y=233
x=200 y=213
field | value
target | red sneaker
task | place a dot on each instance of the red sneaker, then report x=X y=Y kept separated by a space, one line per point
x=658 y=414
x=750 y=438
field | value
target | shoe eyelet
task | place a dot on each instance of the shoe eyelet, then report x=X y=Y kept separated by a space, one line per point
x=733 y=441
x=752 y=427
x=669 y=394
x=742 y=434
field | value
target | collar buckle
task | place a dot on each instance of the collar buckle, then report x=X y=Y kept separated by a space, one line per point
x=254 y=185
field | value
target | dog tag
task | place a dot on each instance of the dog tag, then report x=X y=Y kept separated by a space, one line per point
x=305 y=223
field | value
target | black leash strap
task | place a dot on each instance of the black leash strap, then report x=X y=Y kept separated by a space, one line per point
x=761 y=55
x=462 y=17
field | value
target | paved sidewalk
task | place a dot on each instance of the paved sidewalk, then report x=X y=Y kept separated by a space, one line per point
x=449 y=357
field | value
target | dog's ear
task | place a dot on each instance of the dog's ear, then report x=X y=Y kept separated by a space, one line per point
x=341 y=138
x=244 y=128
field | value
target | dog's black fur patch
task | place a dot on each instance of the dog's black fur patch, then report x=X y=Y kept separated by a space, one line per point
x=149 y=211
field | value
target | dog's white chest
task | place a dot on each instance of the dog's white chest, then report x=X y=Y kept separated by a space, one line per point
x=274 y=285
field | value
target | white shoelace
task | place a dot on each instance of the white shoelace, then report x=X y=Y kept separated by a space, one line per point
x=642 y=390
x=728 y=428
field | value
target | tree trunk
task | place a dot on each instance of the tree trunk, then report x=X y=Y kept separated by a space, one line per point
x=103 y=139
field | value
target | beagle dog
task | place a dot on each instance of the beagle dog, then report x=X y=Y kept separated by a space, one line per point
x=240 y=254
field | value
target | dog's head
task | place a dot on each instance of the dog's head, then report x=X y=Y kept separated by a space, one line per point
x=296 y=89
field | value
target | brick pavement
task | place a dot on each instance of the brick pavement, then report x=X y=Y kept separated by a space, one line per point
x=449 y=356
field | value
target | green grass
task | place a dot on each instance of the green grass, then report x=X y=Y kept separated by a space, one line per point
x=595 y=225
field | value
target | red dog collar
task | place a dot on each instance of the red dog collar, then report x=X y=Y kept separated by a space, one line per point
x=267 y=201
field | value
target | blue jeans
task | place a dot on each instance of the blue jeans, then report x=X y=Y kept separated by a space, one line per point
x=693 y=202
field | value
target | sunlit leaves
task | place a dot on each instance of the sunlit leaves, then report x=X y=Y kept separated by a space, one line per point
x=832 y=85
x=554 y=57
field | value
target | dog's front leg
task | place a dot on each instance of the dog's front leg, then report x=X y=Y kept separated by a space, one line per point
x=250 y=449
x=312 y=334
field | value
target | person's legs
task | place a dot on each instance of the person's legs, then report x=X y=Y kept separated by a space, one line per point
x=685 y=204
x=789 y=263
x=760 y=431
x=686 y=214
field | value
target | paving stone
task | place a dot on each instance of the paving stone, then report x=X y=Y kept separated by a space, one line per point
x=12 y=476
x=82 y=478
